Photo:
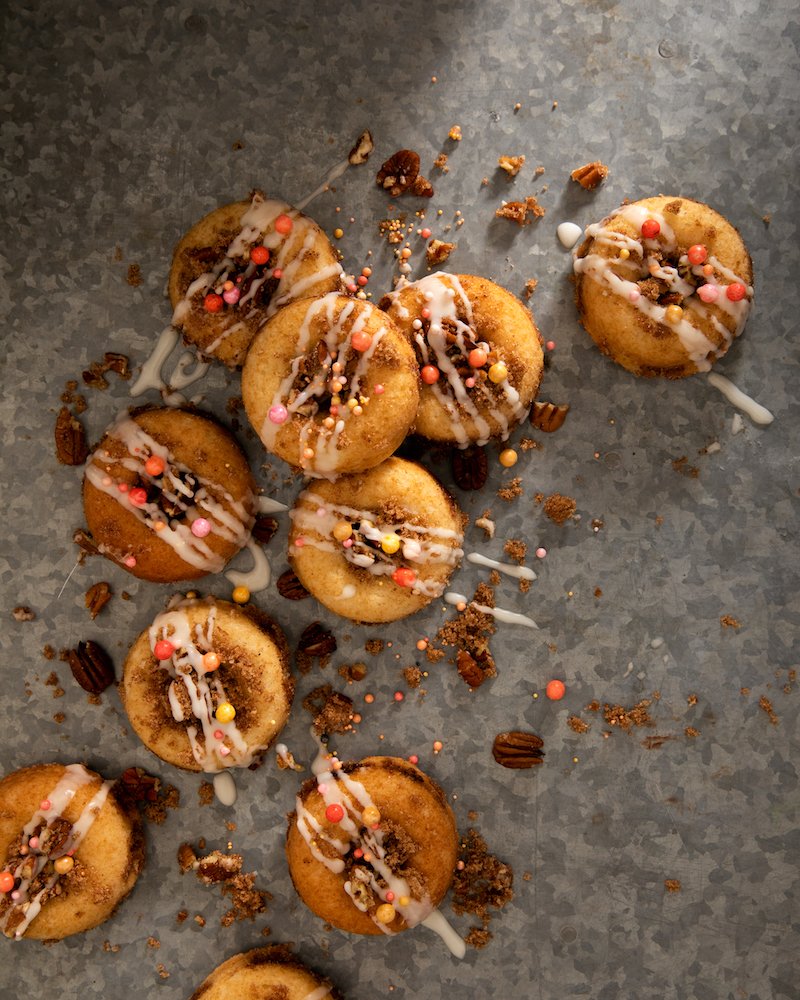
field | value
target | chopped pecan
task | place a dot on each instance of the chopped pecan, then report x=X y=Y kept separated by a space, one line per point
x=117 y=363
x=422 y=187
x=399 y=172
x=97 y=596
x=548 y=417
x=591 y=175
x=438 y=252
x=511 y=164
x=469 y=669
x=517 y=750
x=470 y=468
x=360 y=152
x=85 y=542
x=186 y=857
x=136 y=785
x=316 y=641
x=264 y=528
x=290 y=587
x=22 y=613
x=94 y=376
x=518 y=211
x=91 y=666
x=71 y=446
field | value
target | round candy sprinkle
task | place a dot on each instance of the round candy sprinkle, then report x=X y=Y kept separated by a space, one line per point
x=213 y=303
x=358 y=853
x=550 y=345
x=45 y=805
x=371 y=815
x=231 y=296
x=390 y=543
x=498 y=372
x=352 y=286
x=277 y=273
x=477 y=357
x=708 y=270
x=218 y=734
x=130 y=562
x=64 y=865
x=361 y=340
x=223 y=751
x=299 y=541
x=369 y=698
x=469 y=383
x=334 y=813
x=278 y=414
x=736 y=292
x=362 y=279
x=385 y=913
x=240 y=595
x=673 y=314
x=422 y=644
x=399 y=696
x=650 y=228
x=708 y=293
x=697 y=254
x=404 y=900
x=154 y=465
x=348 y=543
x=541 y=553
x=259 y=255
x=437 y=746
x=137 y=496
x=390 y=896
x=633 y=295
x=404 y=577
x=425 y=313
x=159 y=525
x=6 y=881
x=33 y=842
x=508 y=457
x=430 y=374
x=555 y=690
x=225 y=712
x=122 y=487
x=283 y=225
x=413 y=759
x=163 y=649
x=379 y=390
x=201 y=526
x=342 y=530
x=624 y=253
x=211 y=661
x=460 y=866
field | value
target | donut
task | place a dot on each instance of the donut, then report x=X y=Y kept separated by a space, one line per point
x=264 y=973
x=71 y=850
x=241 y=263
x=330 y=385
x=479 y=354
x=366 y=878
x=376 y=546
x=199 y=655
x=168 y=495
x=663 y=286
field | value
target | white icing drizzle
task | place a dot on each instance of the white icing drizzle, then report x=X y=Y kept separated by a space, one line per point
x=519 y=572
x=150 y=377
x=438 y=923
x=568 y=234
x=501 y=614
x=205 y=690
x=424 y=548
x=336 y=172
x=225 y=788
x=266 y=505
x=758 y=414
x=75 y=777
x=231 y=521
x=444 y=297
x=259 y=576
x=700 y=350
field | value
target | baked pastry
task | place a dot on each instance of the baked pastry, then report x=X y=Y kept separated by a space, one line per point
x=239 y=265
x=478 y=351
x=207 y=686
x=372 y=845
x=168 y=495
x=663 y=286
x=379 y=545
x=264 y=973
x=71 y=851
x=330 y=385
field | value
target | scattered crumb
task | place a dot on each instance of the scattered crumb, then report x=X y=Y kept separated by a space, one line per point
x=654 y=742
x=591 y=175
x=438 y=252
x=518 y=211
x=598 y=593
x=577 y=725
x=692 y=699
x=48 y=652
x=205 y=793
x=440 y=163
x=527 y=876
x=353 y=672
x=524 y=586
x=516 y=550
x=691 y=732
x=511 y=164
x=413 y=676
x=681 y=465
x=624 y=718
x=559 y=508
x=483 y=883
x=765 y=704
x=23 y=613
x=511 y=490
x=538 y=171
x=225 y=870
x=236 y=146
x=455 y=133
x=182 y=916
x=470 y=632
x=744 y=692
x=109 y=947
x=200 y=920
x=766 y=219
x=434 y=655
x=331 y=710
x=162 y=970
x=134 y=277
x=530 y=287
x=52 y=679
x=528 y=444
x=728 y=621
x=486 y=524
x=478 y=937
x=593 y=706
x=59 y=718
x=672 y=885
x=374 y=646
x=153 y=942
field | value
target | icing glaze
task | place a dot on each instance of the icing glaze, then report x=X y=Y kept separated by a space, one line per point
x=225 y=788
x=501 y=614
x=258 y=578
x=758 y=414
x=568 y=234
x=518 y=572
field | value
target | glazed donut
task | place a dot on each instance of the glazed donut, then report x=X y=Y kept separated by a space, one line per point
x=479 y=354
x=263 y=973
x=376 y=546
x=239 y=265
x=71 y=850
x=196 y=656
x=363 y=879
x=168 y=495
x=330 y=385
x=663 y=286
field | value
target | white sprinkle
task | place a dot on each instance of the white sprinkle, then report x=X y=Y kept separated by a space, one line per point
x=569 y=234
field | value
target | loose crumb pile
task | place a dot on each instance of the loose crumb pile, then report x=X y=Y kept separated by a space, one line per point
x=482 y=884
x=470 y=632
x=332 y=711
x=625 y=718
x=225 y=870
x=511 y=490
x=728 y=621
x=559 y=508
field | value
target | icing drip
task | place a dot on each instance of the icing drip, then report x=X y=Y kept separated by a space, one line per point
x=336 y=172
x=501 y=614
x=758 y=414
x=231 y=521
x=225 y=788
x=519 y=572
x=266 y=505
x=34 y=862
x=438 y=923
x=259 y=576
x=568 y=234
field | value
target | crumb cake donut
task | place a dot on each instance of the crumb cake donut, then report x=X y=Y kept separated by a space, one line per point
x=207 y=686
x=663 y=286
x=168 y=495
x=239 y=265
x=264 y=973
x=379 y=545
x=372 y=845
x=330 y=385
x=479 y=354
x=71 y=851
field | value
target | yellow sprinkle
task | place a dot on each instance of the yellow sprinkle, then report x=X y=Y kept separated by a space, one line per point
x=371 y=815
x=404 y=900
x=508 y=457
x=225 y=712
x=342 y=530
x=390 y=543
x=338 y=233
x=498 y=372
x=64 y=865
x=240 y=595
x=673 y=314
x=385 y=913
x=624 y=253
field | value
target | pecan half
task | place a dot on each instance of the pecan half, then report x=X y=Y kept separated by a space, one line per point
x=517 y=750
x=316 y=641
x=399 y=172
x=590 y=175
x=71 y=446
x=470 y=468
x=91 y=666
x=264 y=528
x=469 y=669
x=290 y=587
x=97 y=596
x=548 y=417
x=360 y=152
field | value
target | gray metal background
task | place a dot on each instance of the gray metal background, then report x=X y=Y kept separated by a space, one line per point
x=118 y=128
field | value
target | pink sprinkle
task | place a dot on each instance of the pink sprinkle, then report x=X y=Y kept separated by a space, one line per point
x=413 y=759
x=633 y=295
x=460 y=866
x=469 y=382
x=218 y=734
x=15 y=894
x=362 y=280
x=352 y=286
x=398 y=696
x=541 y=553
x=71 y=851
x=201 y=527
x=106 y=480
x=33 y=842
x=708 y=293
x=224 y=751
x=425 y=313
x=45 y=804
x=425 y=234
x=23 y=850
x=130 y=562
x=358 y=853
x=347 y=543
x=389 y=896
x=278 y=414
x=379 y=390
x=299 y=541
x=231 y=296
x=550 y=345
x=122 y=487
x=277 y=273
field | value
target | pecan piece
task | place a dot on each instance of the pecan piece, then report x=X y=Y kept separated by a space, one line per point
x=71 y=446
x=186 y=857
x=22 y=613
x=316 y=641
x=517 y=750
x=94 y=376
x=548 y=417
x=85 y=542
x=136 y=785
x=264 y=528
x=91 y=666
x=290 y=587
x=470 y=468
x=438 y=252
x=97 y=596
x=117 y=363
x=360 y=152
x=422 y=187
x=591 y=175
x=399 y=172
x=469 y=669
x=511 y=164
x=518 y=211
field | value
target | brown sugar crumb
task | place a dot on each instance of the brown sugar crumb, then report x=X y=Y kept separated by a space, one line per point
x=591 y=175
x=482 y=884
x=681 y=466
x=161 y=969
x=134 y=277
x=52 y=679
x=205 y=793
x=528 y=444
x=153 y=942
x=511 y=164
x=690 y=732
x=511 y=490
x=48 y=652
x=478 y=937
x=518 y=211
x=138 y=788
x=692 y=699
x=353 y=672
x=672 y=885
x=374 y=646
x=58 y=692
x=559 y=508
x=433 y=655
x=226 y=870
x=181 y=916
x=598 y=593
x=744 y=692
x=728 y=621
x=516 y=550
x=524 y=586
x=624 y=718
x=200 y=920
x=455 y=133
x=331 y=710
x=593 y=706
x=315 y=642
x=577 y=725
x=413 y=676
x=59 y=717
x=108 y=947
x=438 y=252
x=766 y=219
x=495 y=578
x=23 y=614
x=470 y=632
x=440 y=163
x=530 y=287
x=766 y=705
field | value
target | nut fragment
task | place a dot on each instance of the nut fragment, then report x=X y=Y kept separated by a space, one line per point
x=186 y=857
x=71 y=445
x=117 y=363
x=264 y=528
x=360 y=152
x=470 y=468
x=22 y=613
x=290 y=587
x=517 y=750
x=474 y=671
x=316 y=641
x=97 y=596
x=438 y=252
x=518 y=211
x=591 y=175
x=399 y=172
x=422 y=187
x=91 y=666
x=548 y=417
x=85 y=542
x=511 y=164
